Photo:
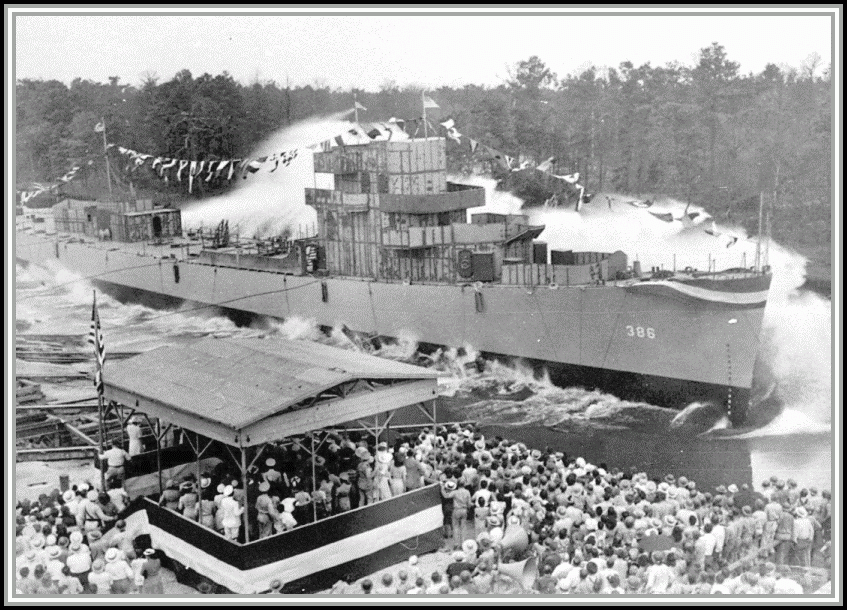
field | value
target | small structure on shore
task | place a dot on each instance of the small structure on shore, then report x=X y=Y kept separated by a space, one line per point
x=233 y=400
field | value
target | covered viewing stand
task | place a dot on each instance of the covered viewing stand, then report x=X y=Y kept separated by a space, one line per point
x=233 y=399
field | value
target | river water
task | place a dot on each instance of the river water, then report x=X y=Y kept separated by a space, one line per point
x=509 y=400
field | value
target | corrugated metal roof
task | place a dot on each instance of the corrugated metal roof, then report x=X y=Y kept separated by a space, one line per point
x=238 y=382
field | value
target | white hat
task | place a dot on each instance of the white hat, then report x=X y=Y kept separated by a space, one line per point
x=264 y=486
x=228 y=490
x=112 y=555
x=221 y=488
x=383 y=457
x=149 y=552
x=68 y=496
x=459 y=556
x=413 y=560
x=270 y=462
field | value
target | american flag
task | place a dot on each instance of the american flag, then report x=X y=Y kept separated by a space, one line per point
x=95 y=338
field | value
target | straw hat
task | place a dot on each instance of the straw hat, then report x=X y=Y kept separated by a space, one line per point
x=54 y=552
x=747 y=510
x=450 y=485
x=479 y=444
x=493 y=521
x=76 y=546
x=536 y=454
x=112 y=555
x=264 y=486
x=31 y=554
x=228 y=491
x=37 y=541
x=470 y=548
x=801 y=512
x=76 y=536
x=149 y=552
x=561 y=510
x=68 y=496
x=458 y=556
x=92 y=496
x=275 y=585
x=205 y=482
x=170 y=484
x=94 y=535
x=98 y=565
x=270 y=462
x=221 y=488
x=733 y=489
x=186 y=486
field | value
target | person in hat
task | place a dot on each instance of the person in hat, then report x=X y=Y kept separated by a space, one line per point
x=803 y=533
x=188 y=502
x=414 y=472
x=342 y=493
x=397 y=475
x=101 y=579
x=54 y=565
x=784 y=535
x=151 y=571
x=231 y=514
x=207 y=503
x=266 y=511
x=459 y=517
x=116 y=459
x=79 y=561
x=91 y=514
x=275 y=587
x=448 y=490
x=122 y=575
x=118 y=495
x=170 y=496
x=364 y=476
x=381 y=477
x=133 y=432
x=286 y=520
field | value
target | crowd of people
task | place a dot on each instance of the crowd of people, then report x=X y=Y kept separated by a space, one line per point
x=74 y=543
x=590 y=528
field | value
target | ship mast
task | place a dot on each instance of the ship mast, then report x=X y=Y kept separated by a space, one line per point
x=759 y=238
x=106 y=158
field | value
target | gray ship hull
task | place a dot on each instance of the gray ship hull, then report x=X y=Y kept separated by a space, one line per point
x=645 y=340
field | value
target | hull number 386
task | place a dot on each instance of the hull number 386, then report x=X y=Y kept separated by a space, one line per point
x=640 y=332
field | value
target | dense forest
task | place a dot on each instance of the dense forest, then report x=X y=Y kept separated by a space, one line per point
x=703 y=133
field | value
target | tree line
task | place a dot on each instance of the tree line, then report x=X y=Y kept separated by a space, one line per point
x=703 y=133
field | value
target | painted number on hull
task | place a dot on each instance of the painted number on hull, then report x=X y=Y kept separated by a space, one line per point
x=640 y=332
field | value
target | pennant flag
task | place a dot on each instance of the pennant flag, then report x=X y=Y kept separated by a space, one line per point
x=449 y=124
x=192 y=171
x=211 y=171
x=712 y=229
x=123 y=150
x=428 y=102
x=232 y=165
x=399 y=122
x=454 y=134
x=569 y=178
x=508 y=161
x=374 y=133
x=637 y=203
x=167 y=164
x=733 y=240
x=275 y=160
x=252 y=166
x=95 y=338
x=663 y=217
x=182 y=165
x=100 y=127
x=547 y=165
x=339 y=140
x=474 y=145
x=358 y=106
x=156 y=161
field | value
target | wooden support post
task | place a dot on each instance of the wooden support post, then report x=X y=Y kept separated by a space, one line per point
x=314 y=482
x=199 y=490
x=246 y=499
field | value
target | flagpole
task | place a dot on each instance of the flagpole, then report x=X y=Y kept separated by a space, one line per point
x=99 y=393
x=355 y=108
x=423 y=103
x=106 y=157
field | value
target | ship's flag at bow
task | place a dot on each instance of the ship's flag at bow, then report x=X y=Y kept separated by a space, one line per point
x=428 y=102
x=95 y=338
